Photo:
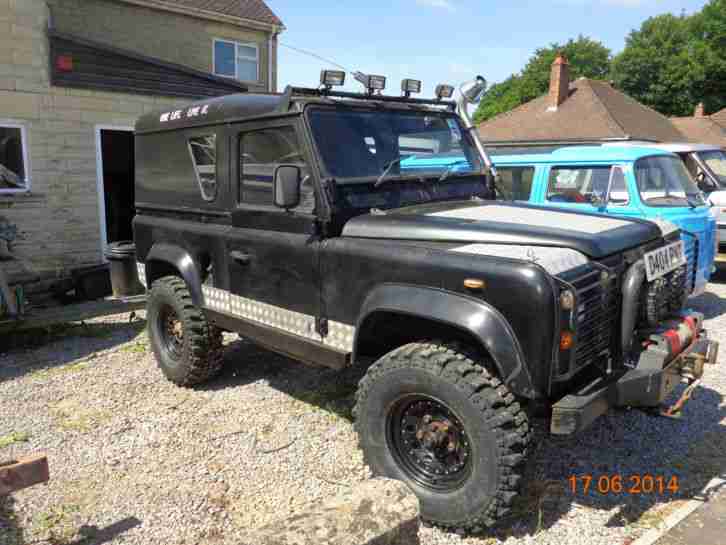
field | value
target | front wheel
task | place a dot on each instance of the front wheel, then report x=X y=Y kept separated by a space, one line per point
x=428 y=414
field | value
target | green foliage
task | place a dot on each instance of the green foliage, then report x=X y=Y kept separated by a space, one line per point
x=671 y=63
x=588 y=58
x=657 y=66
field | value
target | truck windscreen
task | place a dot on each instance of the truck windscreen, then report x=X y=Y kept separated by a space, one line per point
x=356 y=145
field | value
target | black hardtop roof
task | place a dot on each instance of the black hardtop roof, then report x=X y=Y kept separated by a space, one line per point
x=237 y=107
x=212 y=111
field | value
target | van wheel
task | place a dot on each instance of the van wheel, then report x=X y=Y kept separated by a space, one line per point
x=188 y=349
x=431 y=415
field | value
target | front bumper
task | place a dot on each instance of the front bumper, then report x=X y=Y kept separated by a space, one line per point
x=646 y=385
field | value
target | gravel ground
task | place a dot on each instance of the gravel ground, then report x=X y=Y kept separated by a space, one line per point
x=137 y=460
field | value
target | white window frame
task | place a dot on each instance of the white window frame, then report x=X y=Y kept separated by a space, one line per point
x=236 y=56
x=12 y=124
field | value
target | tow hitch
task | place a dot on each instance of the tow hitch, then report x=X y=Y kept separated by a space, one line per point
x=675 y=353
x=704 y=353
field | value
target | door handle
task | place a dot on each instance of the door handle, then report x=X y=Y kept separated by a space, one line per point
x=241 y=257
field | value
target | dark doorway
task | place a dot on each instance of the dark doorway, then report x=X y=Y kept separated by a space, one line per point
x=117 y=154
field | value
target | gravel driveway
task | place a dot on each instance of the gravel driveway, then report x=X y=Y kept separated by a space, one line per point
x=135 y=459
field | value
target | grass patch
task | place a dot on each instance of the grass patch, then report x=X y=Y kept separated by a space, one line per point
x=57 y=526
x=334 y=398
x=136 y=347
x=65 y=369
x=72 y=416
x=14 y=437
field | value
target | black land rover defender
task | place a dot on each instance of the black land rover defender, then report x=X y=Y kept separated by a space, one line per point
x=301 y=222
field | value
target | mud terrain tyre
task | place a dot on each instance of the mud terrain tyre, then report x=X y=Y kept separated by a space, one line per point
x=188 y=349
x=433 y=416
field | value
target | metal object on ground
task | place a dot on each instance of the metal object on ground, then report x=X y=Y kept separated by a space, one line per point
x=44 y=317
x=23 y=473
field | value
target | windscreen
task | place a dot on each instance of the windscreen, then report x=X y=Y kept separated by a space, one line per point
x=716 y=161
x=664 y=181
x=359 y=144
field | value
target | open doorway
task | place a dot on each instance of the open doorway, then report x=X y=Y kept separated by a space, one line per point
x=115 y=158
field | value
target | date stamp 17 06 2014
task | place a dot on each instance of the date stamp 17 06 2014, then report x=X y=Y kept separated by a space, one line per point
x=625 y=484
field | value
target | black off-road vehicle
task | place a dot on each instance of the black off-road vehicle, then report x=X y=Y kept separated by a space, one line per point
x=301 y=222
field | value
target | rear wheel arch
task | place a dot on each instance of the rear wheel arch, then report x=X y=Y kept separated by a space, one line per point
x=396 y=314
x=170 y=260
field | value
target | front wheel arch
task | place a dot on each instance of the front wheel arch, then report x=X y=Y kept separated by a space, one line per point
x=396 y=314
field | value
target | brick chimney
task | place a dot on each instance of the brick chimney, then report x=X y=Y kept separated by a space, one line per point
x=699 y=112
x=559 y=82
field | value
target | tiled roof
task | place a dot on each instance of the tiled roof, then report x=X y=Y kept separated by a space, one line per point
x=720 y=117
x=702 y=130
x=255 y=10
x=593 y=110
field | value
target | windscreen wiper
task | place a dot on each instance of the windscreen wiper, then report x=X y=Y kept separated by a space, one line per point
x=451 y=167
x=387 y=168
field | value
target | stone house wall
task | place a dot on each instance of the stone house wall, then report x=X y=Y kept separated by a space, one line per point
x=58 y=219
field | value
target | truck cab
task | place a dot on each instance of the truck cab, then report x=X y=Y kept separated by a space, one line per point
x=292 y=220
x=707 y=165
x=624 y=181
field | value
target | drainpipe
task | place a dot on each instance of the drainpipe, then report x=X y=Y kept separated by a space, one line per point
x=270 y=67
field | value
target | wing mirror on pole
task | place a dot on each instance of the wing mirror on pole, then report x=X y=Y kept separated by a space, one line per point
x=286 y=186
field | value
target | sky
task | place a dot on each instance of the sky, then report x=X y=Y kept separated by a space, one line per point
x=445 y=41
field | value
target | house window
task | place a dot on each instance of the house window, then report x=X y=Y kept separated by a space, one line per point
x=237 y=60
x=204 y=156
x=14 y=171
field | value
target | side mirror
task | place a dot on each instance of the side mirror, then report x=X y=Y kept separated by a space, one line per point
x=286 y=186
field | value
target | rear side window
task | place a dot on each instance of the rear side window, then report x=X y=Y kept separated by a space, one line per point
x=261 y=152
x=515 y=183
x=203 y=150
x=578 y=184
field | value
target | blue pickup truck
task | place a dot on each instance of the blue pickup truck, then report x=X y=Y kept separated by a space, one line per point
x=625 y=181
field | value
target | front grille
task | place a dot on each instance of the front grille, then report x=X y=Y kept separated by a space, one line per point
x=596 y=321
x=690 y=242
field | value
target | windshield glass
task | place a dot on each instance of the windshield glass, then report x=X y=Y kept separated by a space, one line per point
x=716 y=161
x=355 y=145
x=664 y=181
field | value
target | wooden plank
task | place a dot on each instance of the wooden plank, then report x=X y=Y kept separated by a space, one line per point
x=45 y=317
x=23 y=473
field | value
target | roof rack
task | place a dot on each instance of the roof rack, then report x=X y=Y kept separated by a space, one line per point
x=291 y=92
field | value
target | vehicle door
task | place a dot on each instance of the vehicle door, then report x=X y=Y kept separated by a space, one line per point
x=272 y=254
x=598 y=188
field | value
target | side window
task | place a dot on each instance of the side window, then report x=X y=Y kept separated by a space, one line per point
x=14 y=175
x=515 y=183
x=577 y=184
x=618 y=187
x=260 y=153
x=203 y=150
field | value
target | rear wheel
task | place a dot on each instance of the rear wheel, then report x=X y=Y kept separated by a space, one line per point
x=433 y=416
x=188 y=349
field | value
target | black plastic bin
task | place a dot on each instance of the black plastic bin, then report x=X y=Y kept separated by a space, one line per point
x=124 y=275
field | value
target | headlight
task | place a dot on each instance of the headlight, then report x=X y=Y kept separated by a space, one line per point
x=567 y=300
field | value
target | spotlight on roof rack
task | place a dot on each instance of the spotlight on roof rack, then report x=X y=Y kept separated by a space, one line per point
x=409 y=86
x=332 y=78
x=370 y=82
x=444 y=91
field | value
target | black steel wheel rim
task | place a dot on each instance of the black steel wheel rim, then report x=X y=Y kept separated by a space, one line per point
x=171 y=332
x=429 y=442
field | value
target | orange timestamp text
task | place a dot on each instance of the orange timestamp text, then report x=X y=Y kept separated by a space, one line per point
x=624 y=484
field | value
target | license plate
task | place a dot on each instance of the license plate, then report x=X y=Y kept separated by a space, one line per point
x=664 y=260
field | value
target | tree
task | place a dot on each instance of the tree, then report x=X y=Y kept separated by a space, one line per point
x=708 y=29
x=658 y=66
x=588 y=58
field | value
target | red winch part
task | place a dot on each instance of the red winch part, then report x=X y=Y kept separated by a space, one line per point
x=681 y=336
